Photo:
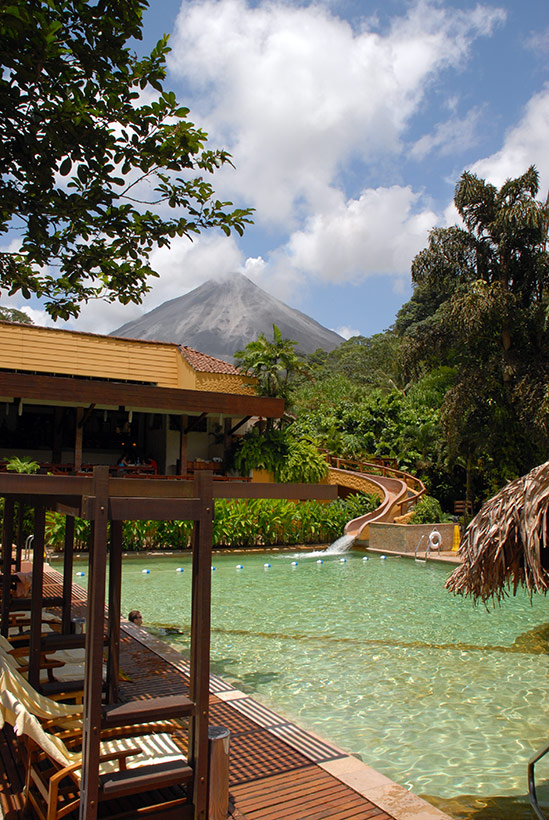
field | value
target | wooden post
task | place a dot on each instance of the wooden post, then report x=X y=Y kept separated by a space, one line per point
x=20 y=536
x=37 y=595
x=227 y=439
x=68 y=555
x=115 y=589
x=7 y=540
x=200 y=642
x=183 y=446
x=218 y=774
x=93 y=685
x=78 y=439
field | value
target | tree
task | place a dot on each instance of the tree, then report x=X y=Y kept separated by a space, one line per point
x=480 y=306
x=14 y=315
x=372 y=361
x=93 y=150
x=273 y=364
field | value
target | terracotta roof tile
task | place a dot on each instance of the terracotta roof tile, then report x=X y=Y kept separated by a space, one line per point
x=204 y=363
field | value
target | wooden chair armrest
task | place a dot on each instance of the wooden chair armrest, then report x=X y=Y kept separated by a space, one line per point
x=146 y=711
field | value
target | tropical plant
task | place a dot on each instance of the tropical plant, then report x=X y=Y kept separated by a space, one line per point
x=55 y=532
x=480 y=306
x=13 y=315
x=23 y=464
x=94 y=153
x=428 y=511
x=261 y=451
x=303 y=463
x=273 y=364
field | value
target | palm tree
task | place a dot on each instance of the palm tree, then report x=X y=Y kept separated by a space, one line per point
x=272 y=363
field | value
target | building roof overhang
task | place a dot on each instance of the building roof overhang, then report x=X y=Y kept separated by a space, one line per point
x=60 y=390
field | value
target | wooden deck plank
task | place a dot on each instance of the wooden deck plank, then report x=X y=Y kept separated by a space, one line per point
x=309 y=794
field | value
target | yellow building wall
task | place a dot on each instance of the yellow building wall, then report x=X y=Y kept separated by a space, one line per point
x=62 y=352
x=47 y=350
x=224 y=383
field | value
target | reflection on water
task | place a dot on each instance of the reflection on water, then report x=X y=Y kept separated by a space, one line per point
x=447 y=698
x=471 y=807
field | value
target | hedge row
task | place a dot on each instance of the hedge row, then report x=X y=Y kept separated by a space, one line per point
x=237 y=523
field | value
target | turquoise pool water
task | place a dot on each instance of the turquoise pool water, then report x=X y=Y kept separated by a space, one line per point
x=445 y=697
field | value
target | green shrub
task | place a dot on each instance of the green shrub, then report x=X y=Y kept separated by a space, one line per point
x=22 y=465
x=237 y=523
x=429 y=511
x=303 y=463
x=55 y=532
x=261 y=451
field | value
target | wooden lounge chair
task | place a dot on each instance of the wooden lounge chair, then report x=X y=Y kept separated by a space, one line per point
x=57 y=677
x=68 y=716
x=129 y=766
x=153 y=715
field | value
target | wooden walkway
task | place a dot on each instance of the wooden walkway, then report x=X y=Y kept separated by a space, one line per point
x=277 y=770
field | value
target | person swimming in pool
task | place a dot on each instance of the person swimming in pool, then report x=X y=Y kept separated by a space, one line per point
x=135 y=617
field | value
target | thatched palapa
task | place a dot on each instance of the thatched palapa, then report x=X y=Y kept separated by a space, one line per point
x=507 y=543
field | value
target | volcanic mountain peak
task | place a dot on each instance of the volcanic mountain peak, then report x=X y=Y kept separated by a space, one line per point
x=222 y=316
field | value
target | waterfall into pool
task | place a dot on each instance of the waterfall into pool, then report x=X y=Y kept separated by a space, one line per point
x=343 y=544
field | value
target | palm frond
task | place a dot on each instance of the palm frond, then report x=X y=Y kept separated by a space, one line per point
x=506 y=545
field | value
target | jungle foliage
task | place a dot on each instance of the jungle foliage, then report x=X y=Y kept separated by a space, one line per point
x=237 y=523
x=458 y=389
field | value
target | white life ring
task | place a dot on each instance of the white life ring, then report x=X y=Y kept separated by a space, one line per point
x=435 y=540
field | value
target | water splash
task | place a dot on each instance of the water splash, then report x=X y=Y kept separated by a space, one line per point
x=343 y=544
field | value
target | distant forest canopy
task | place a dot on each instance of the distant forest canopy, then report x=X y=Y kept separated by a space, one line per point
x=458 y=389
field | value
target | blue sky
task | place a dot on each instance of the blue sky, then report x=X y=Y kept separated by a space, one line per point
x=349 y=122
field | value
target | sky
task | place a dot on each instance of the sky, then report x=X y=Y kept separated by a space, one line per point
x=349 y=123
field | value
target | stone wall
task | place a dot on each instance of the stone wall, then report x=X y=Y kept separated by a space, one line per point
x=406 y=537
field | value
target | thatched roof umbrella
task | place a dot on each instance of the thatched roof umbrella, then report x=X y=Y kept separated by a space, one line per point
x=507 y=542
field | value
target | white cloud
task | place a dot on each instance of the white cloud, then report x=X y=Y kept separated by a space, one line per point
x=524 y=145
x=538 y=42
x=296 y=94
x=450 y=137
x=379 y=233
x=347 y=332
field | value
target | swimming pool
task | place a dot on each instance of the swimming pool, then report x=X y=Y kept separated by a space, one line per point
x=375 y=655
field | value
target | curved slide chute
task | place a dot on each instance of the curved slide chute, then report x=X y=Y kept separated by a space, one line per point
x=399 y=491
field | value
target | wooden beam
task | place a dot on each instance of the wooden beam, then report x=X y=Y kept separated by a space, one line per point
x=240 y=423
x=20 y=539
x=37 y=595
x=59 y=389
x=144 y=509
x=68 y=554
x=115 y=592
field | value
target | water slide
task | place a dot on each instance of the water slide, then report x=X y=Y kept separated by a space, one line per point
x=399 y=492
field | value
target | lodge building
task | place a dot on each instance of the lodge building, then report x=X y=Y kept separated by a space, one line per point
x=72 y=400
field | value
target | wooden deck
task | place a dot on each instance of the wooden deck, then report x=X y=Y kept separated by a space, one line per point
x=277 y=770
x=270 y=779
